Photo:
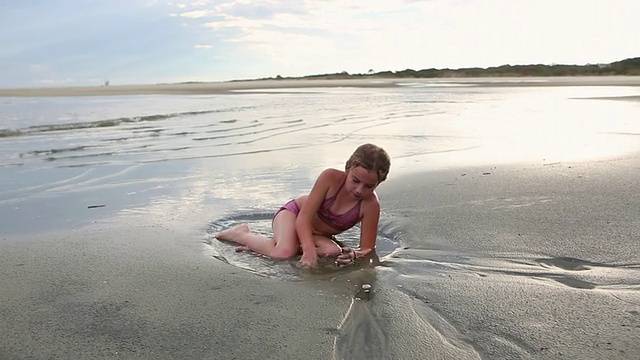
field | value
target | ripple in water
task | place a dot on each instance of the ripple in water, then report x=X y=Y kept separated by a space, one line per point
x=260 y=223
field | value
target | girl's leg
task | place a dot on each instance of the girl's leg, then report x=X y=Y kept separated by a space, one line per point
x=284 y=244
x=326 y=247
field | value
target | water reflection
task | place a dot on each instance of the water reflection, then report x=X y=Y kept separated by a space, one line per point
x=221 y=153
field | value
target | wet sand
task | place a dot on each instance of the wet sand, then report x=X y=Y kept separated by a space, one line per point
x=136 y=291
x=523 y=262
x=205 y=88
x=531 y=262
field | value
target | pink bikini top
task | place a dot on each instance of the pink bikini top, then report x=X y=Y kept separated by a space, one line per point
x=340 y=222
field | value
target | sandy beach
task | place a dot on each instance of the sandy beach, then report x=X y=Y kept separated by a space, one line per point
x=535 y=259
x=257 y=85
x=546 y=268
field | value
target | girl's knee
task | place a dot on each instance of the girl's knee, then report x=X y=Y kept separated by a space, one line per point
x=283 y=253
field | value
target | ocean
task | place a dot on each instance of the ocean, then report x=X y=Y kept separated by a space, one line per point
x=252 y=150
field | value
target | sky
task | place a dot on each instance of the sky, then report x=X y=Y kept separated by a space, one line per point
x=87 y=42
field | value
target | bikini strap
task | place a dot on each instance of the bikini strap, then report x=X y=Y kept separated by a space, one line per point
x=342 y=185
x=338 y=192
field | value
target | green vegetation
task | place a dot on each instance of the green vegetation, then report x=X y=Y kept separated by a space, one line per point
x=624 y=67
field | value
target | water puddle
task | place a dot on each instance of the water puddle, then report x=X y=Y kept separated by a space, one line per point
x=260 y=223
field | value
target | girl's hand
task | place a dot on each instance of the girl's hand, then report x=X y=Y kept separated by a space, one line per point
x=347 y=257
x=308 y=261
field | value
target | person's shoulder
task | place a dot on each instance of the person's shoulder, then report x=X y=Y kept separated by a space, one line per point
x=372 y=202
x=332 y=174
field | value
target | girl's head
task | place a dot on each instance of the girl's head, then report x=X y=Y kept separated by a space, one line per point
x=372 y=158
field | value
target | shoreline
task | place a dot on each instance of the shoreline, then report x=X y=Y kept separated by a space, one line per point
x=238 y=87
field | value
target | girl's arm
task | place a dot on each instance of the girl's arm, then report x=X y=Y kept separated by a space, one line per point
x=369 y=228
x=368 y=234
x=309 y=209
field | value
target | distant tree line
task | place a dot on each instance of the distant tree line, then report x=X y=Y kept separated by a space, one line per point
x=624 y=67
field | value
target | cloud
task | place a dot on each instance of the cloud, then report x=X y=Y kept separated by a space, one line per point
x=193 y=4
x=330 y=33
x=264 y=9
x=225 y=39
x=196 y=14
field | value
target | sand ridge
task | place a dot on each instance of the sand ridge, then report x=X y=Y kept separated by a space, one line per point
x=203 y=88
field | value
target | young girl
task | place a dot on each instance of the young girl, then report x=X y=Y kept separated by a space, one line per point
x=338 y=201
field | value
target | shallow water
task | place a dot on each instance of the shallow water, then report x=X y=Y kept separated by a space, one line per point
x=252 y=151
x=387 y=242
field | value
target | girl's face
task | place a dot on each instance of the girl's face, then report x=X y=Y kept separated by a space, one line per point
x=361 y=182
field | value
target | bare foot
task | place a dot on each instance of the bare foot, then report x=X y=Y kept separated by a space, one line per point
x=231 y=234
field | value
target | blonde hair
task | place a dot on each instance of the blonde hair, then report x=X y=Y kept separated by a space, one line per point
x=372 y=158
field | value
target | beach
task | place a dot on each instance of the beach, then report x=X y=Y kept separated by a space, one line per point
x=275 y=85
x=498 y=240
x=98 y=293
x=524 y=263
x=545 y=264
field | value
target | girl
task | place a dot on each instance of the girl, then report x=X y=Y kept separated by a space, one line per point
x=338 y=201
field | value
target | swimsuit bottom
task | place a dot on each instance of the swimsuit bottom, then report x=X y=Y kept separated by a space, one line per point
x=293 y=206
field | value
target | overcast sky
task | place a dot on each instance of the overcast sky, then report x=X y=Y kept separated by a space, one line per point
x=85 y=42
